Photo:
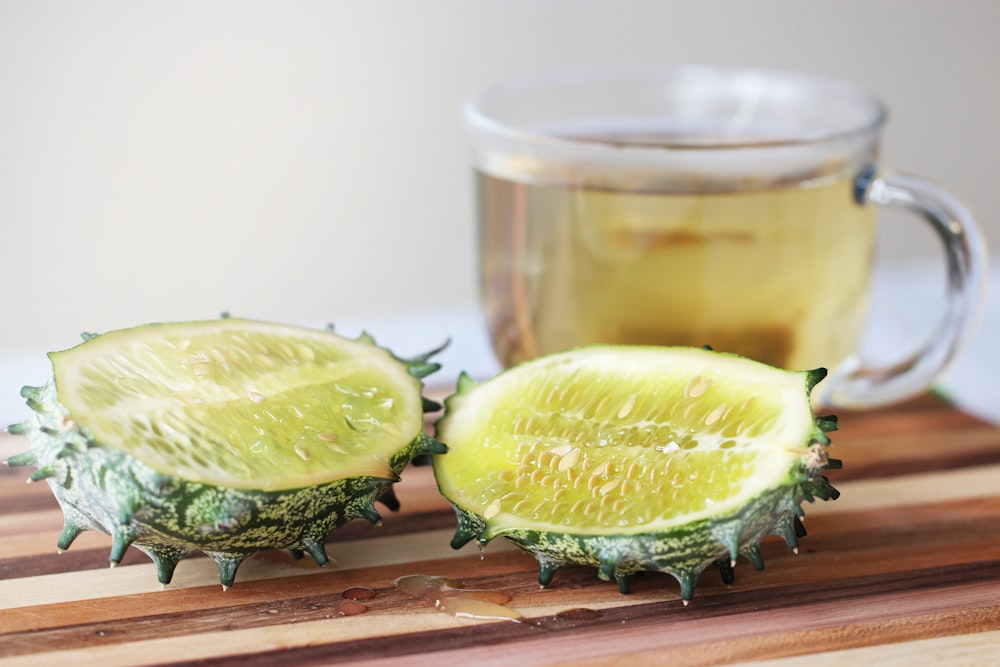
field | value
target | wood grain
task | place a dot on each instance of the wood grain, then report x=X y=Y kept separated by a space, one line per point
x=905 y=565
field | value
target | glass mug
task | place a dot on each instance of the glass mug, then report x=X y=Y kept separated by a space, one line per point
x=702 y=206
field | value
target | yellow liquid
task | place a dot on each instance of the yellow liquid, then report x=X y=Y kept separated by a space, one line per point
x=780 y=275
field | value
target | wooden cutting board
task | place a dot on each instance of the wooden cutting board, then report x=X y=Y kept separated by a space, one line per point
x=903 y=569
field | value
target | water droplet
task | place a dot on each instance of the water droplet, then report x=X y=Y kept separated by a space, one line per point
x=255 y=396
x=466 y=607
x=449 y=597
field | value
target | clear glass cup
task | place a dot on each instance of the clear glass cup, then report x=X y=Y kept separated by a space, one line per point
x=703 y=206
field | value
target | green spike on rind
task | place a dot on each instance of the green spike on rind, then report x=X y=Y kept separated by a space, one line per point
x=44 y=472
x=606 y=569
x=121 y=540
x=827 y=423
x=752 y=552
x=624 y=580
x=800 y=529
x=31 y=392
x=166 y=560
x=814 y=377
x=23 y=459
x=465 y=383
x=317 y=549
x=389 y=499
x=425 y=444
x=107 y=490
x=228 y=564
x=470 y=527
x=20 y=428
x=426 y=356
x=370 y=514
x=422 y=370
x=725 y=567
x=547 y=570
x=688 y=579
x=785 y=528
x=69 y=533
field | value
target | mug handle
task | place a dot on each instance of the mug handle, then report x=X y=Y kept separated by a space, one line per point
x=857 y=385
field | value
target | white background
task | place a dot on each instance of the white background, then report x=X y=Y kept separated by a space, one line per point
x=306 y=161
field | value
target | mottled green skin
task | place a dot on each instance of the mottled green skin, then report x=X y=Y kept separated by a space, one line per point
x=106 y=490
x=683 y=552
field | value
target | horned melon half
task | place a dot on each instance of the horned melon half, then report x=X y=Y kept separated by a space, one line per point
x=635 y=458
x=228 y=437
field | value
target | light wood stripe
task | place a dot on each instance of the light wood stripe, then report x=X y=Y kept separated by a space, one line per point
x=981 y=648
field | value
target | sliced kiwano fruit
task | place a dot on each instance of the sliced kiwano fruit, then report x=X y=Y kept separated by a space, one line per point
x=228 y=437
x=635 y=458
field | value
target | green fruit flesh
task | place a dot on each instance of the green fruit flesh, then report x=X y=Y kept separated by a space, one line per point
x=244 y=406
x=228 y=437
x=634 y=458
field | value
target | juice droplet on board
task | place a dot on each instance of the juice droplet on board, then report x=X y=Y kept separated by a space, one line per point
x=449 y=597
x=467 y=607
x=349 y=608
x=358 y=593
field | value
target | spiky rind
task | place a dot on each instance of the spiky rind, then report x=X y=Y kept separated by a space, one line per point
x=104 y=489
x=682 y=553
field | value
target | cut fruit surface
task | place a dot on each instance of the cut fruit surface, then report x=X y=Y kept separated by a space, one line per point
x=242 y=404
x=614 y=441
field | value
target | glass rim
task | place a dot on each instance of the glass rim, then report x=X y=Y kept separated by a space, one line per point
x=479 y=120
